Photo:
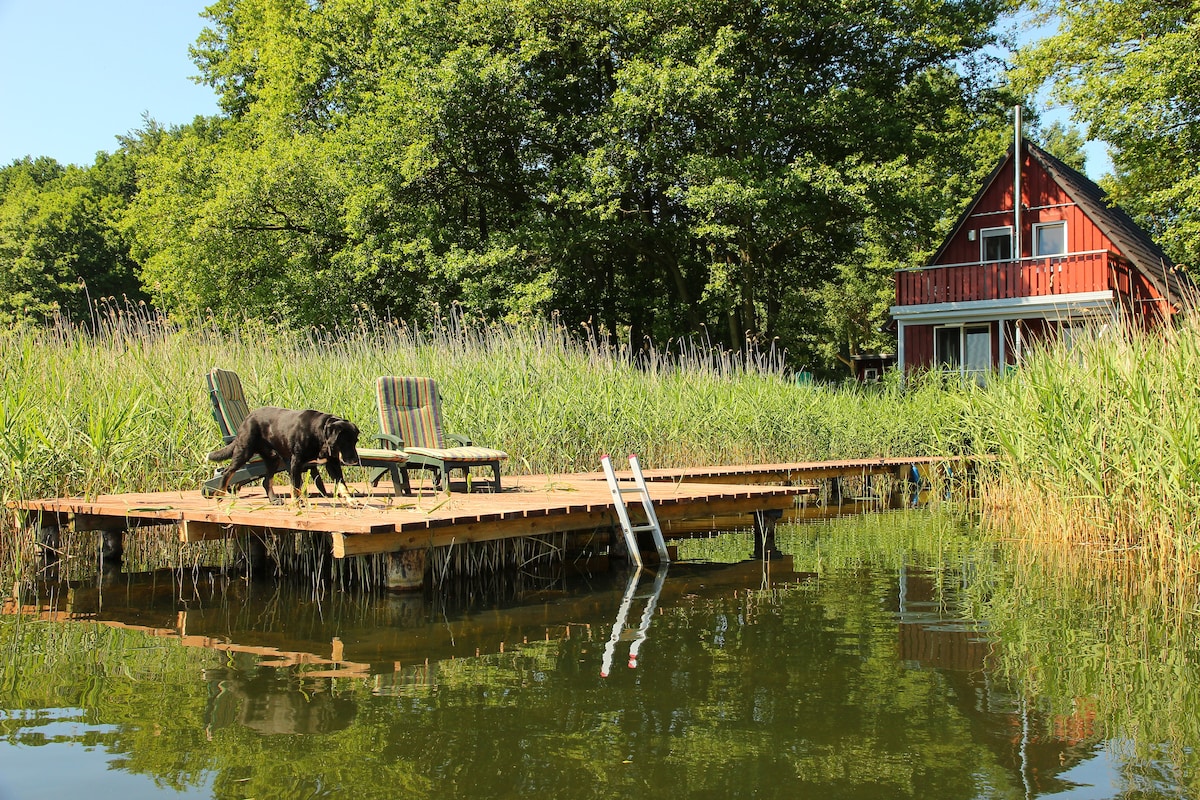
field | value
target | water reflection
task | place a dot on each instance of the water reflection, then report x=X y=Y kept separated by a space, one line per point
x=272 y=701
x=618 y=630
x=835 y=670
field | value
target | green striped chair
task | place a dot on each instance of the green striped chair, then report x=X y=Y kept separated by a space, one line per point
x=229 y=408
x=410 y=418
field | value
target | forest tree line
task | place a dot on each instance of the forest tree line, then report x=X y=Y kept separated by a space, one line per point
x=738 y=170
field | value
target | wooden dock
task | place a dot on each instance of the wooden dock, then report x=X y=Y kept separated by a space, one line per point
x=375 y=522
x=804 y=471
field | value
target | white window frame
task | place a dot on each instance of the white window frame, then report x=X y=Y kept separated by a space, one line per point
x=994 y=233
x=1037 y=229
x=963 y=328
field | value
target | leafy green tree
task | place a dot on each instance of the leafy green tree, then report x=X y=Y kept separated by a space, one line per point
x=61 y=248
x=1129 y=72
x=1066 y=144
x=646 y=168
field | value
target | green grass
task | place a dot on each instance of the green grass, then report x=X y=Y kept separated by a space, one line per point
x=1100 y=445
x=1096 y=446
x=120 y=406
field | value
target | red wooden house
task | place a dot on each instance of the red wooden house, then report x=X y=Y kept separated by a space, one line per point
x=1064 y=262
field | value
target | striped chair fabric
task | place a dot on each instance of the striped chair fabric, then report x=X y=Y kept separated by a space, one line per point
x=228 y=401
x=410 y=409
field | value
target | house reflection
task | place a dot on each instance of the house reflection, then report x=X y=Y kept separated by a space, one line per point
x=1036 y=748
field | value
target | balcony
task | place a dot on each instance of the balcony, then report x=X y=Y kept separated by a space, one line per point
x=1073 y=273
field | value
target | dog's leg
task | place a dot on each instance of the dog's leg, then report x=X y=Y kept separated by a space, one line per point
x=239 y=459
x=269 y=486
x=320 y=484
x=274 y=464
x=296 y=473
x=340 y=489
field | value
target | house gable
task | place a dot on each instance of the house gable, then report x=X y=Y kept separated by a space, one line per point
x=1052 y=191
x=991 y=287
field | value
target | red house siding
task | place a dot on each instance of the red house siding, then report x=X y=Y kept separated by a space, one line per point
x=1023 y=299
x=1042 y=201
x=958 y=276
x=918 y=345
x=1090 y=272
x=918 y=341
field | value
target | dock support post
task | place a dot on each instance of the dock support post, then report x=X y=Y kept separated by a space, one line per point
x=764 y=532
x=835 y=491
x=254 y=551
x=47 y=535
x=405 y=570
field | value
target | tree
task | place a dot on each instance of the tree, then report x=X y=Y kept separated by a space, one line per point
x=642 y=166
x=1066 y=144
x=60 y=245
x=1129 y=73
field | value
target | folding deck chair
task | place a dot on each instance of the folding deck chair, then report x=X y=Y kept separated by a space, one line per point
x=410 y=417
x=229 y=408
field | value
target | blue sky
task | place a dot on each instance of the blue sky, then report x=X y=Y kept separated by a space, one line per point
x=75 y=74
x=78 y=73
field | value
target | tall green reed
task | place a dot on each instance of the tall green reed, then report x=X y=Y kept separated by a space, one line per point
x=117 y=404
x=1099 y=444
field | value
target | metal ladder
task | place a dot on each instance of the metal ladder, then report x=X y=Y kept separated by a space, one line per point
x=630 y=530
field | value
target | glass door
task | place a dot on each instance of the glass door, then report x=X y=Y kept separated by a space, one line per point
x=966 y=349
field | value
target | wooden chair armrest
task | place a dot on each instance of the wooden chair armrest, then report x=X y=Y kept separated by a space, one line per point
x=463 y=441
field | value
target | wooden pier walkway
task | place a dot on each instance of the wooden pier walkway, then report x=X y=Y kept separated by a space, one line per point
x=375 y=522
x=378 y=522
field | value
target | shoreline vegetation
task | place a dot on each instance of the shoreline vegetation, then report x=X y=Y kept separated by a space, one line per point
x=1094 y=447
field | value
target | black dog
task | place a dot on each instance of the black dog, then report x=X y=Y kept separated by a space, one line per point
x=279 y=435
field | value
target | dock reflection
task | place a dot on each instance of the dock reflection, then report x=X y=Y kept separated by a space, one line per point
x=391 y=638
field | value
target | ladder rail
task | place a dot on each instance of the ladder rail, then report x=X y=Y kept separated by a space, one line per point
x=628 y=529
x=614 y=488
x=640 y=481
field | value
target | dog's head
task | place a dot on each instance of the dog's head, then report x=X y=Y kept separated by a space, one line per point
x=340 y=440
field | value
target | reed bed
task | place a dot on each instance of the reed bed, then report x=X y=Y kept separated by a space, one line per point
x=1099 y=446
x=116 y=403
x=1105 y=649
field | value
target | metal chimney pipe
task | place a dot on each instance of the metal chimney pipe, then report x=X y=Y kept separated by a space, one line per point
x=1017 y=162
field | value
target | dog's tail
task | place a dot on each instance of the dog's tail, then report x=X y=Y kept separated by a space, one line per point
x=224 y=454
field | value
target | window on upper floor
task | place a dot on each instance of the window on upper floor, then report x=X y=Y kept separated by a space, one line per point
x=1050 y=239
x=995 y=244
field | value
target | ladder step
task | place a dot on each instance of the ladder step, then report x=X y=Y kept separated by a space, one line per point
x=639 y=488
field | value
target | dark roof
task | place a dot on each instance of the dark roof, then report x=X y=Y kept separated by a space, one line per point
x=1133 y=242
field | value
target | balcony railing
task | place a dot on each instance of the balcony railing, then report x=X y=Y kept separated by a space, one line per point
x=1094 y=271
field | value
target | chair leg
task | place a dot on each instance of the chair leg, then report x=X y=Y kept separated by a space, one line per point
x=496 y=471
x=397 y=484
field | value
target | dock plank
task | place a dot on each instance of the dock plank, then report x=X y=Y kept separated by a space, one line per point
x=376 y=521
x=529 y=505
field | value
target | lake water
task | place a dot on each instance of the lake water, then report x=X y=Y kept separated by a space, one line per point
x=870 y=660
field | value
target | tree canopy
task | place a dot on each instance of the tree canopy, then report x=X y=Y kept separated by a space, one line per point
x=1128 y=71
x=744 y=171
x=60 y=247
x=650 y=168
